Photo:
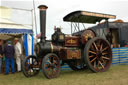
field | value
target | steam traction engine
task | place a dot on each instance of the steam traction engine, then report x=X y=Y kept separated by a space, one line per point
x=80 y=50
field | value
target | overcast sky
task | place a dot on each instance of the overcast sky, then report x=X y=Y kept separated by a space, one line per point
x=57 y=9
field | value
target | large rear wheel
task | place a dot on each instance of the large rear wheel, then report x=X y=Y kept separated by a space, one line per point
x=98 y=55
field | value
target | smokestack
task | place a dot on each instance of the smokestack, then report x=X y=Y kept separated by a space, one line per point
x=43 y=9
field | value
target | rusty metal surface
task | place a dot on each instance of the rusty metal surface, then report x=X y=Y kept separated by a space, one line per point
x=73 y=54
x=87 y=35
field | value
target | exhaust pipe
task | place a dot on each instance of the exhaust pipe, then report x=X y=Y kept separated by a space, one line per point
x=43 y=9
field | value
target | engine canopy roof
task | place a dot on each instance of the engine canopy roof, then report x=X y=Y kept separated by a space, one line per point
x=87 y=17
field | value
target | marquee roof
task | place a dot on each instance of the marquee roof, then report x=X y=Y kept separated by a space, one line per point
x=9 y=27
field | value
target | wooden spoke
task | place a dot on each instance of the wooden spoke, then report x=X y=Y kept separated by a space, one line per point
x=95 y=46
x=101 y=64
x=93 y=59
x=92 y=52
x=105 y=58
x=98 y=54
x=92 y=47
x=91 y=56
x=30 y=66
x=101 y=47
x=53 y=65
x=104 y=53
x=99 y=44
x=49 y=62
x=54 y=62
x=104 y=49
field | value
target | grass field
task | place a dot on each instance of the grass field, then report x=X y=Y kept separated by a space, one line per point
x=116 y=75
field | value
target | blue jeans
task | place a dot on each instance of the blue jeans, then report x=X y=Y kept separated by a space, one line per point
x=0 y=64
x=9 y=61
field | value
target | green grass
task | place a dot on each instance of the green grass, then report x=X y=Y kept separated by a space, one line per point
x=116 y=75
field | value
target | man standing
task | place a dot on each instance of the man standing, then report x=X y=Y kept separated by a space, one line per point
x=18 y=53
x=1 y=53
x=9 y=54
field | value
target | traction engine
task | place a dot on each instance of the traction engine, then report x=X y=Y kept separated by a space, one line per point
x=80 y=50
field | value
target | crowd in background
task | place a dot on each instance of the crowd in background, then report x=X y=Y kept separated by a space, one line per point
x=11 y=53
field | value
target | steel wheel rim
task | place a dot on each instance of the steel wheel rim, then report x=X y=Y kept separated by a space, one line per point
x=51 y=66
x=31 y=66
x=99 y=55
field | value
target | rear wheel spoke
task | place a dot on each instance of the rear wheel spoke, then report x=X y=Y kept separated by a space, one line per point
x=104 y=53
x=104 y=49
x=98 y=65
x=106 y=58
x=103 y=60
x=91 y=56
x=101 y=64
x=95 y=46
x=92 y=52
x=93 y=59
x=101 y=47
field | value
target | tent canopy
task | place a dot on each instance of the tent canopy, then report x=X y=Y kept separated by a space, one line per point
x=9 y=27
x=5 y=37
x=87 y=17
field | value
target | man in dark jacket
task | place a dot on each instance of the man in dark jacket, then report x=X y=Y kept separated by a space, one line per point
x=1 y=53
x=9 y=54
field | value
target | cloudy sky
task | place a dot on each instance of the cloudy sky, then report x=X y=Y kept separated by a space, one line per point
x=57 y=9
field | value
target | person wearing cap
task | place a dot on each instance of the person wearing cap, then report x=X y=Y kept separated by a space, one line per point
x=18 y=52
x=9 y=52
x=1 y=53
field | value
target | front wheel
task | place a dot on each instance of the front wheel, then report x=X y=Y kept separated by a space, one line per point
x=98 y=55
x=30 y=66
x=51 y=66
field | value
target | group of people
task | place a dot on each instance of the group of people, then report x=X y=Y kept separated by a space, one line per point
x=11 y=53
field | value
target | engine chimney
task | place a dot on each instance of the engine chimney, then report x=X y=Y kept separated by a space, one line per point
x=43 y=9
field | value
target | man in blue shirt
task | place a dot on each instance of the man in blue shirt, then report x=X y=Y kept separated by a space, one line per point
x=9 y=54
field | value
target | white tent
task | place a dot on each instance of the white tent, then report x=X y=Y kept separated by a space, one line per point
x=9 y=29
